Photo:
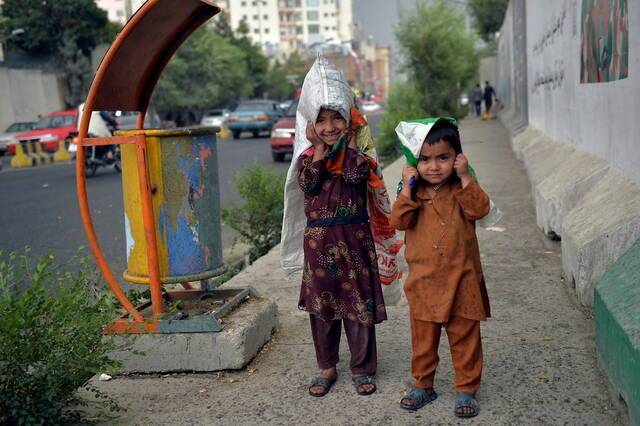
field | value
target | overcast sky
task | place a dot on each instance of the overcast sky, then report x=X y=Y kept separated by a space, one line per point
x=378 y=19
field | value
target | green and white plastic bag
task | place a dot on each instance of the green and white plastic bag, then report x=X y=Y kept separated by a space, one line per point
x=412 y=135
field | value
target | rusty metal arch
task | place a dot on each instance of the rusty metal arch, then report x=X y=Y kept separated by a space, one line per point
x=125 y=81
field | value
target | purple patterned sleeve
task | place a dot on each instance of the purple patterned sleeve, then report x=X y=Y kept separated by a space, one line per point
x=356 y=167
x=310 y=174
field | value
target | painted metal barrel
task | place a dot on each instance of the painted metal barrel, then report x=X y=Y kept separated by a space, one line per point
x=183 y=175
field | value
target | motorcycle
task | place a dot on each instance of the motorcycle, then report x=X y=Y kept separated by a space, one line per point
x=97 y=156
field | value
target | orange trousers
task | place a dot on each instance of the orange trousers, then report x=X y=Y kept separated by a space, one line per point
x=466 y=352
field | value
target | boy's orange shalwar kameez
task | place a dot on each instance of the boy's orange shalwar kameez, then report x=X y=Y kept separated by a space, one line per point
x=445 y=285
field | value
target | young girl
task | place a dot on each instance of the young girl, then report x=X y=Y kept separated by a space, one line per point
x=329 y=186
x=437 y=207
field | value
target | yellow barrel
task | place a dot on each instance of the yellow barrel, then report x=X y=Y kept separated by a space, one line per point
x=183 y=174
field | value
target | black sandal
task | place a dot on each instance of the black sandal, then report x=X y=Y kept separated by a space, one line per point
x=419 y=397
x=325 y=383
x=364 y=380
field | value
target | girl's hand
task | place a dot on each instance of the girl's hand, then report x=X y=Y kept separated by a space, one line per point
x=317 y=143
x=461 y=165
x=313 y=137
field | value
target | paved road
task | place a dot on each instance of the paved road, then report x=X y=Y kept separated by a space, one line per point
x=39 y=208
x=38 y=205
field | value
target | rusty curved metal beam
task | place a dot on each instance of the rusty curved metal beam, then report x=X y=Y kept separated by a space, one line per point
x=125 y=81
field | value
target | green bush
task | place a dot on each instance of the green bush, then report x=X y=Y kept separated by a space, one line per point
x=259 y=219
x=50 y=340
x=403 y=103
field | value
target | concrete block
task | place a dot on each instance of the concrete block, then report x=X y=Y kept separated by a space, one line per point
x=617 y=317
x=523 y=139
x=246 y=330
x=561 y=191
x=542 y=156
x=598 y=230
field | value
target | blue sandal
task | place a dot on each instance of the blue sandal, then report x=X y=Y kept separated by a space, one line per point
x=466 y=400
x=420 y=398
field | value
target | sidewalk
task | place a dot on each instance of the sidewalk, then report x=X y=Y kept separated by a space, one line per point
x=540 y=361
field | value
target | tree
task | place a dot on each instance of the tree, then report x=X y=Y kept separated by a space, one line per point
x=76 y=67
x=66 y=29
x=488 y=16
x=440 y=56
x=257 y=64
x=277 y=85
x=47 y=23
x=296 y=68
x=206 y=72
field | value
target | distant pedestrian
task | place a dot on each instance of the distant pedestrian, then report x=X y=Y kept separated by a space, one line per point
x=330 y=186
x=476 y=99
x=437 y=207
x=489 y=94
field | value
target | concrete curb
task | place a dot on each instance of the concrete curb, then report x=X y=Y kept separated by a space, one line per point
x=543 y=156
x=561 y=190
x=246 y=330
x=601 y=227
x=520 y=141
x=578 y=197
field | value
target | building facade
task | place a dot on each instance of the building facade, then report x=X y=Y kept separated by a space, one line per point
x=284 y=26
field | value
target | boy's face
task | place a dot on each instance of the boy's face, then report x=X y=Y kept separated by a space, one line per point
x=330 y=126
x=435 y=163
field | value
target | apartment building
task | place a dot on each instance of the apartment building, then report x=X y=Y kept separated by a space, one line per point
x=283 y=26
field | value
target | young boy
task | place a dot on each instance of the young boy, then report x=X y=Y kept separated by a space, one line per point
x=437 y=208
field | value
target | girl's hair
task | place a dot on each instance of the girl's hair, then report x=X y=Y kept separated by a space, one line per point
x=446 y=131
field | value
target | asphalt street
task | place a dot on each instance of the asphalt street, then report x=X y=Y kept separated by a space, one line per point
x=38 y=206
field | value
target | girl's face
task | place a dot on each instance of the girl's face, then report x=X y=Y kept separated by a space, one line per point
x=435 y=164
x=330 y=126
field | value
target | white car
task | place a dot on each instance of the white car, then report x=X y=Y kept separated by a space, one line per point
x=214 y=118
x=8 y=137
x=370 y=106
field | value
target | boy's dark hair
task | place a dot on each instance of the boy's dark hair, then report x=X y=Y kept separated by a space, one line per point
x=446 y=131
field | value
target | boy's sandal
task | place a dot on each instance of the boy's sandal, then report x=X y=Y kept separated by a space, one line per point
x=359 y=381
x=325 y=383
x=420 y=398
x=466 y=400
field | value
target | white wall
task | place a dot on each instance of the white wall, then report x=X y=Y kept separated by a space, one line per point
x=27 y=93
x=600 y=118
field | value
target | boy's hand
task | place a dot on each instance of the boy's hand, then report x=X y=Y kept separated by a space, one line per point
x=461 y=165
x=409 y=172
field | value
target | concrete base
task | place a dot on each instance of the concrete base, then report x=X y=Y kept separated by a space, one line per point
x=561 y=191
x=520 y=141
x=601 y=227
x=246 y=330
x=543 y=156
x=617 y=297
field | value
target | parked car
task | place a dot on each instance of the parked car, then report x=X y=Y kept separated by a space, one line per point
x=283 y=134
x=284 y=105
x=254 y=116
x=8 y=137
x=215 y=117
x=370 y=106
x=50 y=130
